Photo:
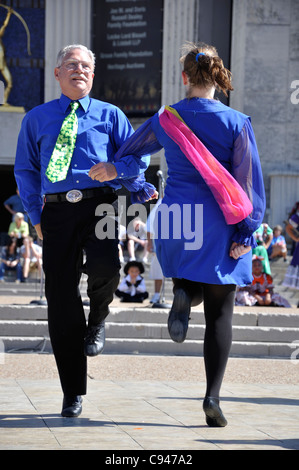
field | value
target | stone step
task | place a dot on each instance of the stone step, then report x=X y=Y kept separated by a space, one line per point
x=256 y=332
x=195 y=348
x=15 y=290
x=250 y=316
x=155 y=346
x=155 y=331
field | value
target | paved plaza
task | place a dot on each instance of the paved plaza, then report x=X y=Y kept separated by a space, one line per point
x=149 y=403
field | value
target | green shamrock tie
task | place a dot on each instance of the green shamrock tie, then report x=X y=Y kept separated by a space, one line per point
x=62 y=154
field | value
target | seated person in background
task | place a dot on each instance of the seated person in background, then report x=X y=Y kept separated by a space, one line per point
x=278 y=246
x=261 y=290
x=32 y=256
x=132 y=288
x=137 y=237
x=263 y=236
x=10 y=260
x=19 y=229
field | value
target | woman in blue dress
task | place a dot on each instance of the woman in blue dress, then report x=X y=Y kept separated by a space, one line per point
x=211 y=272
x=204 y=255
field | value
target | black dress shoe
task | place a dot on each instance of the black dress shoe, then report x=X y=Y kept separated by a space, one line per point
x=179 y=315
x=94 y=341
x=214 y=415
x=71 y=406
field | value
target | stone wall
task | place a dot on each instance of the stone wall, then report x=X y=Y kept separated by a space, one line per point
x=265 y=65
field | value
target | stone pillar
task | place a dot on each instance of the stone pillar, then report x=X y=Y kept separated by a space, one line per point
x=67 y=22
x=180 y=24
x=265 y=67
x=238 y=56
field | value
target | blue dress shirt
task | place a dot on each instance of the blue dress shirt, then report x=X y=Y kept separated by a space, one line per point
x=102 y=129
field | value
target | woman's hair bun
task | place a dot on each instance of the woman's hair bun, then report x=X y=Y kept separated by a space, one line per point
x=204 y=67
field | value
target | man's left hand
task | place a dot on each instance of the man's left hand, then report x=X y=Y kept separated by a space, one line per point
x=103 y=172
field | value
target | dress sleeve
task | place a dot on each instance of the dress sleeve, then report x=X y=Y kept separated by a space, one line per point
x=246 y=169
x=294 y=221
x=142 y=142
x=130 y=165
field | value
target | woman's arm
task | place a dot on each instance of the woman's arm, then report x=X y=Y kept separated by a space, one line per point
x=246 y=169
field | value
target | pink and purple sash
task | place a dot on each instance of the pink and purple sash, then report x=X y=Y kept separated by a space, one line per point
x=231 y=198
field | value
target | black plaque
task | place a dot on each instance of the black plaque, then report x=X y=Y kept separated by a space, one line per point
x=127 y=41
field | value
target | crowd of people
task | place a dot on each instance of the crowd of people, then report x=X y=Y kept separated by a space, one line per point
x=21 y=254
x=271 y=246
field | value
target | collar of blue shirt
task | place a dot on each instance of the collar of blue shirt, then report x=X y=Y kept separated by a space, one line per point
x=64 y=102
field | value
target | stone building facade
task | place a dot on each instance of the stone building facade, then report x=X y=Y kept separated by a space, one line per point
x=263 y=57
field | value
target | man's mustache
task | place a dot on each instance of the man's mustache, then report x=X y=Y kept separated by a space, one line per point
x=81 y=76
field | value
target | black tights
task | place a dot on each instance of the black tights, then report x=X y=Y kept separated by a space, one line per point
x=218 y=310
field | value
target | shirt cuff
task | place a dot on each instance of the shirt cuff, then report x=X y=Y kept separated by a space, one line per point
x=35 y=216
x=122 y=170
x=244 y=239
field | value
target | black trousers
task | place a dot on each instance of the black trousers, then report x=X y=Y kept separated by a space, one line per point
x=219 y=303
x=68 y=233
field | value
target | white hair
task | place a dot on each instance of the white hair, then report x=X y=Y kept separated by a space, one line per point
x=67 y=49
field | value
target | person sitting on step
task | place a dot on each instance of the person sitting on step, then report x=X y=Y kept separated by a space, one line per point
x=132 y=288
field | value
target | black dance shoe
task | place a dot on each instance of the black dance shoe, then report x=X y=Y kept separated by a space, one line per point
x=214 y=415
x=94 y=341
x=179 y=315
x=71 y=406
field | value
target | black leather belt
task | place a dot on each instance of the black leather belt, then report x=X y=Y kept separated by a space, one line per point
x=76 y=195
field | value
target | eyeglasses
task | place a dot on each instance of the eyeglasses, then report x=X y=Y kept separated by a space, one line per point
x=73 y=65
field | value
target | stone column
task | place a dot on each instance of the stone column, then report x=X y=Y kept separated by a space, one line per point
x=67 y=22
x=238 y=56
x=180 y=24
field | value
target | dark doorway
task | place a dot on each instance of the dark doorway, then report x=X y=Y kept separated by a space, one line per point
x=8 y=188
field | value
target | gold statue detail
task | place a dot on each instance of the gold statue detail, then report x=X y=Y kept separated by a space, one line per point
x=3 y=64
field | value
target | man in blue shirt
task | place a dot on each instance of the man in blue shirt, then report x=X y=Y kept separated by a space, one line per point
x=65 y=218
x=14 y=204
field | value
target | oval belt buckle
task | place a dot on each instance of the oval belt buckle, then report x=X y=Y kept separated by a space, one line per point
x=74 y=195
